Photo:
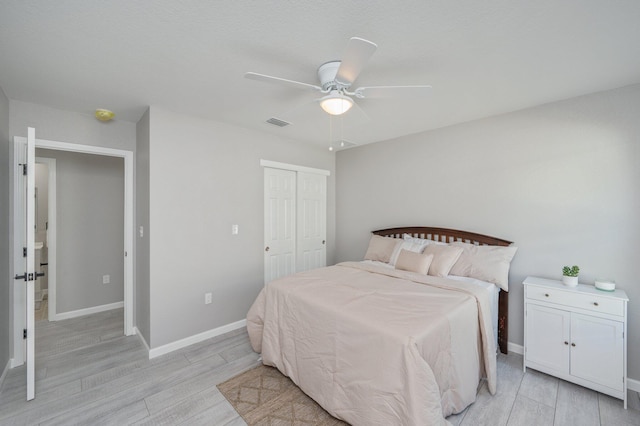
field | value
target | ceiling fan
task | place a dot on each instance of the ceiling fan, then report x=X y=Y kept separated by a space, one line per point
x=336 y=78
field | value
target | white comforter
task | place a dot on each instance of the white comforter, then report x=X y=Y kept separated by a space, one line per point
x=375 y=346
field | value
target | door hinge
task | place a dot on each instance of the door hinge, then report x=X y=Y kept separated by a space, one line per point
x=24 y=168
x=24 y=333
x=24 y=252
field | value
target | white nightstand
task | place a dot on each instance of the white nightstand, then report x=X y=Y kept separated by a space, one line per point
x=578 y=334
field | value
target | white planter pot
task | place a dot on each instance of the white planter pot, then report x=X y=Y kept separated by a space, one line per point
x=569 y=281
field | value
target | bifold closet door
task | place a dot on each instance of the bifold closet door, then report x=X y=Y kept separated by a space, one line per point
x=279 y=223
x=295 y=222
x=311 y=203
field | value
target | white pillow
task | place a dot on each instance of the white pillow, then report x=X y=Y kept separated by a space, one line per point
x=414 y=262
x=409 y=243
x=486 y=263
x=444 y=257
x=381 y=248
x=421 y=241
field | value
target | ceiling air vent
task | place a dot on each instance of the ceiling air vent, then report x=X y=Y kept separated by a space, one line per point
x=277 y=122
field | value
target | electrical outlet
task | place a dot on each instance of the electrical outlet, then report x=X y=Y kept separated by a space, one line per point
x=106 y=279
x=207 y=298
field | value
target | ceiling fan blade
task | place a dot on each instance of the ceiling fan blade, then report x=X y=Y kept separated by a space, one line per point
x=281 y=81
x=392 y=92
x=354 y=58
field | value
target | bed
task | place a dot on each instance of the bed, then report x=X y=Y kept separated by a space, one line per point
x=383 y=345
x=449 y=235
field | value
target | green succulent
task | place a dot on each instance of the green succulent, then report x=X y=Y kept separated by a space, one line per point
x=570 y=271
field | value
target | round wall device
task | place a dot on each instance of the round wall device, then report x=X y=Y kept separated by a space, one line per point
x=104 y=114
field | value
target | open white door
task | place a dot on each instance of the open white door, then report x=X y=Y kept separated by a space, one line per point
x=31 y=260
x=25 y=247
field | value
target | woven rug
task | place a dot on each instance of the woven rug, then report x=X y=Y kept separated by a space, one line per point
x=264 y=396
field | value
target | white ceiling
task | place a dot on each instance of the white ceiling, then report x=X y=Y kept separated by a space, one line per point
x=481 y=57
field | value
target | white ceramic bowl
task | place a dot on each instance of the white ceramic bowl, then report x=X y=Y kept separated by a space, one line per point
x=606 y=285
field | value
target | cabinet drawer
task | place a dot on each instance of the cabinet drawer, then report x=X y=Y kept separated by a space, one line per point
x=577 y=300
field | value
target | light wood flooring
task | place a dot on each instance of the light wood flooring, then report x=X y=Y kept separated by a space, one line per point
x=87 y=372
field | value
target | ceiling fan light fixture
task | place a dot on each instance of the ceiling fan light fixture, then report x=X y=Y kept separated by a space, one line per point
x=335 y=103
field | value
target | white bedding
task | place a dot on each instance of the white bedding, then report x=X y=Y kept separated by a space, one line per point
x=492 y=290
x=377 y=346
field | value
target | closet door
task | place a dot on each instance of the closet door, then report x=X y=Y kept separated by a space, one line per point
x=311 y=226
x=279 y=223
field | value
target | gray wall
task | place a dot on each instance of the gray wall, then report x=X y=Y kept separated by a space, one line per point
x=89 y=229
x=142 y=307
x=6 y=294
x=560 y=180
x=204 y=177
x=64 y=126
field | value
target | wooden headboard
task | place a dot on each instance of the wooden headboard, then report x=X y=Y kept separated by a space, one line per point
x=450 y=235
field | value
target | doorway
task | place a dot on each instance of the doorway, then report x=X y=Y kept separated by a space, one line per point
x=45 y=205
x=19 y=314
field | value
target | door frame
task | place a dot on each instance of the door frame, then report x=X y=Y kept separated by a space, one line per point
x=294 y=168
x=18 y=316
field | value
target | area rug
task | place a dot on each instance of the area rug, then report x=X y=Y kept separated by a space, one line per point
x=264 y=396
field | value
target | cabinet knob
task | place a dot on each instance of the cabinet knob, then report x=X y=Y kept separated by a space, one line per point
x=595 y=303
x=546 y=295
x=573 y=344
x=566 y=343
x=266 y=248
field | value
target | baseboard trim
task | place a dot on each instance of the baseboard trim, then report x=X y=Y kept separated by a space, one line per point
x=4 y=372
x=514 y=347
x=183 y=343
x=89 y=311
x=141 y=337
x=633 y=384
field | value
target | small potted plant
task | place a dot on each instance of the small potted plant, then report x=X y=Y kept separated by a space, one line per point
x=570 y=275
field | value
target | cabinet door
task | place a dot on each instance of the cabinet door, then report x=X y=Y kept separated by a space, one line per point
x=547 y=331
x=598 y=352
